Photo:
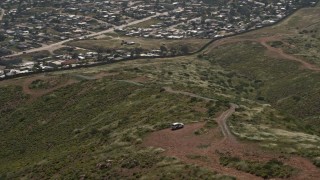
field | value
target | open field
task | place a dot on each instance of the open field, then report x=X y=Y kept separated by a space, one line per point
x=114 y=42
x=91 y=122
x=286 y=82
x=147 y=24
x=298 y=34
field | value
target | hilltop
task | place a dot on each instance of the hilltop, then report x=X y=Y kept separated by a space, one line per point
x=249 y=102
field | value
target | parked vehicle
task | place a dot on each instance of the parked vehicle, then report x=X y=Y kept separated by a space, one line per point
x=176 y=126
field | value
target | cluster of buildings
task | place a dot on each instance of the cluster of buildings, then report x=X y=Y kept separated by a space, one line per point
x=34 y=23
x=71 y=58
x=31 y=24
x=199 y=20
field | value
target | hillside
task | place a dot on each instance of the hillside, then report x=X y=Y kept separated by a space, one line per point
x=112 y=121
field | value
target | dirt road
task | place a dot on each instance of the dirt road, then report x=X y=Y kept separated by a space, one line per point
x=279 y=52
x=59 y=44
x=222 y=122
x=170 y=90
x=1 y=14
x=184 y=144
x=36 y=93
x=205 y=149
x=271 y=51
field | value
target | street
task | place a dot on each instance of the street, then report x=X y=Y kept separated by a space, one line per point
x=60 y=44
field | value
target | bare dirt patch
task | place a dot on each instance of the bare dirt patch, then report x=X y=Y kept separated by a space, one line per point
x=205 y=149
x=184 y=143
x=35 y=93
x=141 y=79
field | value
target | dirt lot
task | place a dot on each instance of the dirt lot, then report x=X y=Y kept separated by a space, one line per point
x=144 y=43
x=205 y=149
x=55 y=83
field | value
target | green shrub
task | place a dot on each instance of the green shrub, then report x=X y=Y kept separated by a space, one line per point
x=38 y=84
x=270 y=169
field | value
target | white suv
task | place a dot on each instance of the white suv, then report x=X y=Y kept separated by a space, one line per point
x=176 y=126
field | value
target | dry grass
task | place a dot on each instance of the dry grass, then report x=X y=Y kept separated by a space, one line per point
x=148 y=23
x=148 y=44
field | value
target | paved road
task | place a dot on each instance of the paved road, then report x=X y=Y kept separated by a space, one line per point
x=59 y=44
x=1 y=14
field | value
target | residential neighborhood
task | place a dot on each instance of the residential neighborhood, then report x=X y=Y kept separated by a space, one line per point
x=160 y=89
x=50 y=24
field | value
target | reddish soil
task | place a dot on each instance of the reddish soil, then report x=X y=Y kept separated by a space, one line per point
x=184 y=144
x=222 y=122
x=56 y=83
x=35 y=93
x=59 y=83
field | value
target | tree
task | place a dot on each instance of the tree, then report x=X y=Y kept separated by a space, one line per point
x=138 y=51
x=125 y=4
x=173 y=51
x=2 y=37
x=75 y=55
x=100 y=50
x=156 y=6
x=117 y=19
x=163 y=49
x=184 y=49
x=6 y=24
x=4 y=52
x=21 y=38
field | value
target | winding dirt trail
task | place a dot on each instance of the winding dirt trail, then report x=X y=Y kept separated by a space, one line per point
x=205 y=150
x=170 y=90
x=36 y=93
x=222 y=122
x=271 y=51
x=1 y=14
x=184 y=144
x=281 y=54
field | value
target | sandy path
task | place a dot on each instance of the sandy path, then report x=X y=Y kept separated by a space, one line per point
x=222 y=122
x=170 y=90
x=184 y=144
x=1 y=14
x=271 y=51
x=281 y=54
